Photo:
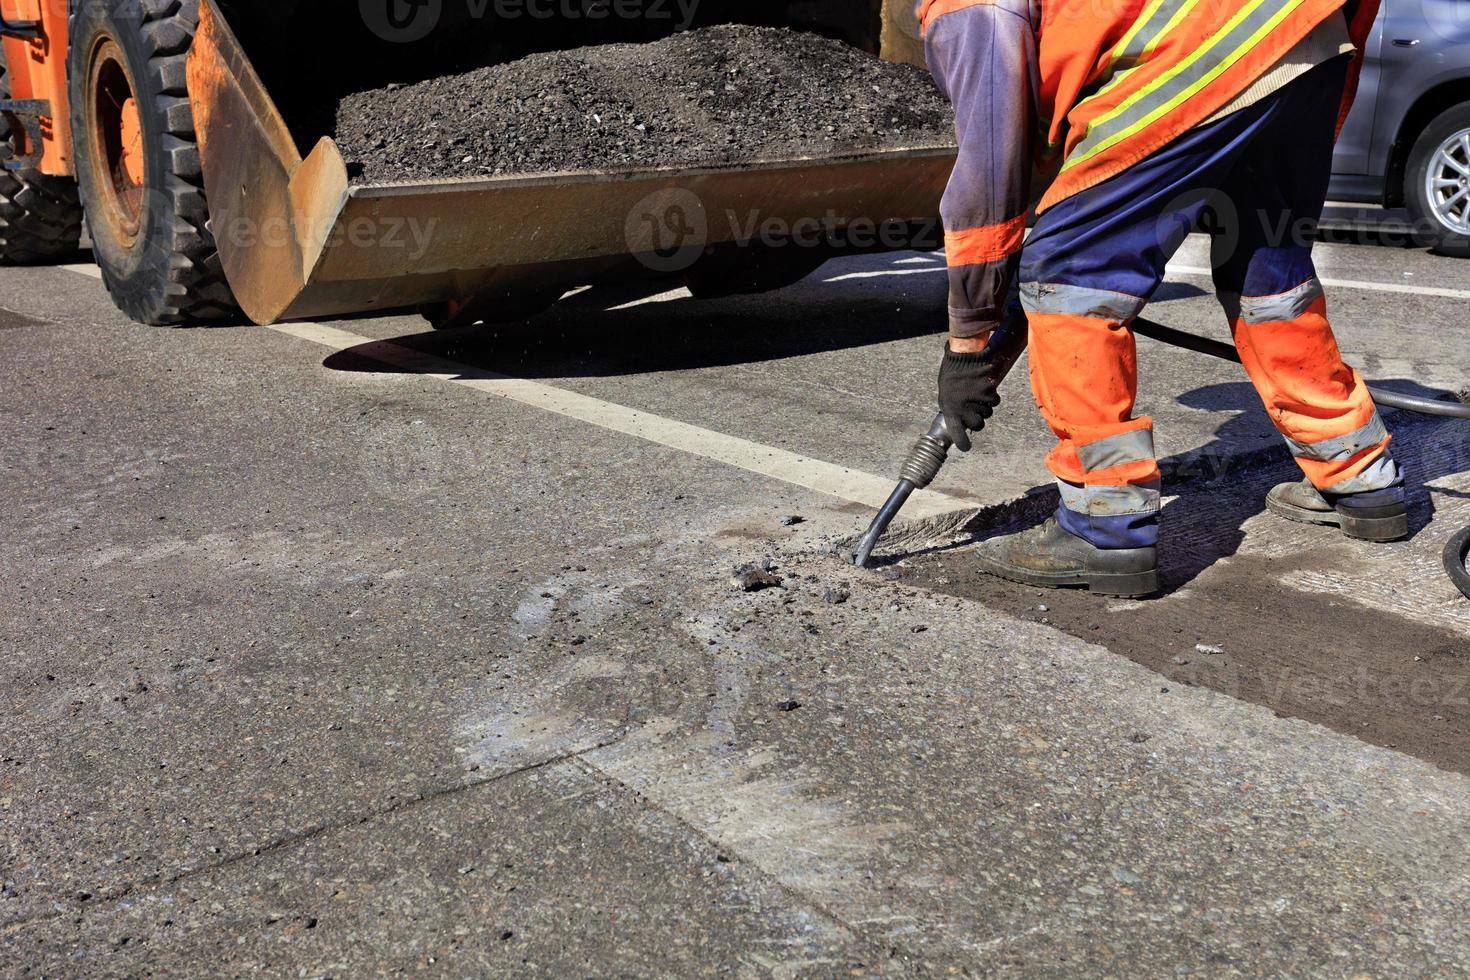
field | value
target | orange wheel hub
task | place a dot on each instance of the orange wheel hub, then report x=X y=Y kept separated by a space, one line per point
x=115 y=133
x=132 y=144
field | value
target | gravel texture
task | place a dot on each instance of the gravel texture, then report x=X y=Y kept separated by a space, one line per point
x=720 y=95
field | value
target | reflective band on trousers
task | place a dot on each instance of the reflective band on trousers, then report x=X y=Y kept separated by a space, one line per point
x=1382 y=472
x=1109 y=501
x=1125 y=447
x=1342 y=448
x=1283 y=306
x=1069 y=300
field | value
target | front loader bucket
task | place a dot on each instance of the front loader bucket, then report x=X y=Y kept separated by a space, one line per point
x=297 y=239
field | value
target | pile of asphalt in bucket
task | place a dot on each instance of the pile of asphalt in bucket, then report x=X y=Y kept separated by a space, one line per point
x=720 y=95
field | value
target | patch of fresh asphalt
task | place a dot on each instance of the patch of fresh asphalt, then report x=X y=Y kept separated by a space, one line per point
x=352 y=633
x=1371 y=640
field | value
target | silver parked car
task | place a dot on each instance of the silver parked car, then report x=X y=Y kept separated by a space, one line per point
x=1407 y=141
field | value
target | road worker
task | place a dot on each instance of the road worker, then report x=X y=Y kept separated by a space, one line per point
x=1131 y=121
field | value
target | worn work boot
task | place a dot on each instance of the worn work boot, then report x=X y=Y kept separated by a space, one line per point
x=1304 y=503
x=1050 y=557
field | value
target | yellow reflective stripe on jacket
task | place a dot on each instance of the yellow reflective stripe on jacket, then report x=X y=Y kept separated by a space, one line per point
x=1140 y=42
x=1222 y=50
x=1153 y=24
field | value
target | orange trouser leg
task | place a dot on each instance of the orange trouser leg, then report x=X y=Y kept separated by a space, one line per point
x=1084 y=373
x=1322 y=406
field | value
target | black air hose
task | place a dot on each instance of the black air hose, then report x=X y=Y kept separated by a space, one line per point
x=1454 y=561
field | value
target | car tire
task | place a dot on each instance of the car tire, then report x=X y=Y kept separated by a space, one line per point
x=138 y=163
x=40 y=215
x=1441 y=211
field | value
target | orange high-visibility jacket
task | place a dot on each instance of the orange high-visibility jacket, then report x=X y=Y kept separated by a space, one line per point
x=1060 y=95
x=1122 y=78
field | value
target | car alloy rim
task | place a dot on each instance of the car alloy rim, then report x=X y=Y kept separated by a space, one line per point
x=1447 y=183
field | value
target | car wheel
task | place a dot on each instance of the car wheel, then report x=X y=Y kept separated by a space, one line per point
x=1437 y=188
x=137 y=162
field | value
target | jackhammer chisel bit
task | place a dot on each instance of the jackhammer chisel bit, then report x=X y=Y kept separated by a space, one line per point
x=931 y=452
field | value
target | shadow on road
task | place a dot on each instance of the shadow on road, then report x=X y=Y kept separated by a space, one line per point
x=612 y=331
x=1219 y=487
x=608 y=332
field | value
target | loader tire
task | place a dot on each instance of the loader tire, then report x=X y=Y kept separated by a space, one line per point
x=40 y=215
x=138 y=161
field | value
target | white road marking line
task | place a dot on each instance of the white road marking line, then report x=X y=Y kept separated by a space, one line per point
x=87 y=269
x=884 y=272
x=1194 y=270
x=1382 y=287
x=672 y=294
x=803 y=471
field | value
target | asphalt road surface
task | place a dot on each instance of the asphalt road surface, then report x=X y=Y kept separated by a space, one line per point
x=351 y=648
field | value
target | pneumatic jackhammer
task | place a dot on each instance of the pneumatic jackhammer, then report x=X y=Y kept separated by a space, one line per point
x=1007 y=345
x=930 y=453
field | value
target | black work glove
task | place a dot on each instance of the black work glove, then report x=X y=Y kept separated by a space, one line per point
x=968 y=394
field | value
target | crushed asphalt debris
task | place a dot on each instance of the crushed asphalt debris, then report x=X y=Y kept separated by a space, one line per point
x=754 y=578
x=716 y=96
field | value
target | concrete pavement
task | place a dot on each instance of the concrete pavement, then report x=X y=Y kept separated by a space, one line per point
x=319 y=668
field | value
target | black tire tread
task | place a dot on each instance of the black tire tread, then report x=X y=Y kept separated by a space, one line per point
x=195 y=290
x=40 y=215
